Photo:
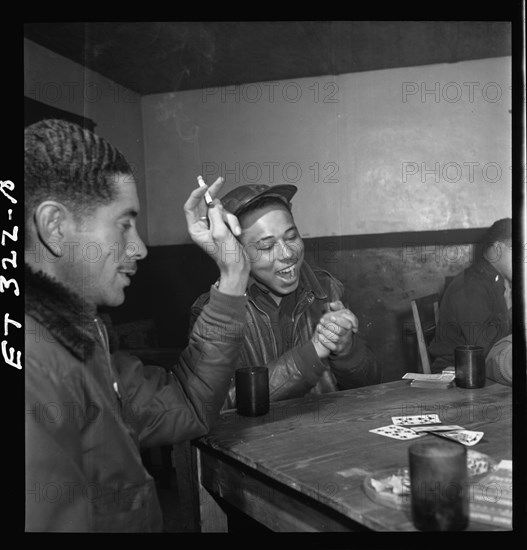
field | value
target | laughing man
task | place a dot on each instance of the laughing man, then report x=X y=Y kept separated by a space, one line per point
x=296 y=323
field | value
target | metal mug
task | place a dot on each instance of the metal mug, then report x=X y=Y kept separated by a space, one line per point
x=469 y=364
x=438 y=480
x=252 y=391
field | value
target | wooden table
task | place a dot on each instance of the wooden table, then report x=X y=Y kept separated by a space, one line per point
x=301 y=466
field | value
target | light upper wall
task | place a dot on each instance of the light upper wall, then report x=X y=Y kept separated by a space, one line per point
x=55 y=80
x=410 y=149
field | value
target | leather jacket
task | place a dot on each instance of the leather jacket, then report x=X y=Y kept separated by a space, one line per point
x=88 y=410
x=289 y=377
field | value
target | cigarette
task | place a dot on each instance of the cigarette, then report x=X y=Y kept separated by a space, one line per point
x=208 y=198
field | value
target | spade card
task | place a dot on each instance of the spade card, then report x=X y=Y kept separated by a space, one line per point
x=396 y=432
x=416 y=420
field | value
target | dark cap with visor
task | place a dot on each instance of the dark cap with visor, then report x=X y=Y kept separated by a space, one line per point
x=237 y=200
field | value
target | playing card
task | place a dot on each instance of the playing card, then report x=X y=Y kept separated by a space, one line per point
x=415 y=420
x=441 y=428
x=466 y=437
x=440 y=377
x=396 y=432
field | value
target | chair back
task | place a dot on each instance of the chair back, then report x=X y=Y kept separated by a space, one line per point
x=425 y=311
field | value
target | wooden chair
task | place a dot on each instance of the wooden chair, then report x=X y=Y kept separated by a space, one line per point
x=426 y=315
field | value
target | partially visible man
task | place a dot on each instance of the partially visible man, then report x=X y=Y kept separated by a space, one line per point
x=296 y=323
x=88 y=411
x=476 y=308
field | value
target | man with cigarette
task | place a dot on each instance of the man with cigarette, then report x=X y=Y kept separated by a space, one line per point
x=89 y=409
x=476 y=308
x=296 y=323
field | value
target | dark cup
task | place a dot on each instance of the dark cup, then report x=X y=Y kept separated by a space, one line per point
x=438 y=479
x=252 y=391
x=470 y=367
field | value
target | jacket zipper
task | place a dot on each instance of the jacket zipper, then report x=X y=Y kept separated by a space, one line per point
x=275 y=348
x=104 y=339
x=310 y=299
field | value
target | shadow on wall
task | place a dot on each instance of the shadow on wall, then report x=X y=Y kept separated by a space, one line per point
x=381 y=276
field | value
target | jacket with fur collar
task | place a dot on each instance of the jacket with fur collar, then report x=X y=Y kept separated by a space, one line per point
x=90 y=410
x=64 y=314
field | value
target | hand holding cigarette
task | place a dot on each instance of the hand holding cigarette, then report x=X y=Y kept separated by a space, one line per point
x=208 y=198
x=214 y=229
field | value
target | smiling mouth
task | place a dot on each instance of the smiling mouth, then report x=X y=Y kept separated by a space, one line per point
x=288 y=272
x=127 y=273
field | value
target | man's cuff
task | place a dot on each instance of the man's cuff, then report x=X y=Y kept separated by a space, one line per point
x=357 y=343
x=227 y=305
x=225 y=314
x=308 y=362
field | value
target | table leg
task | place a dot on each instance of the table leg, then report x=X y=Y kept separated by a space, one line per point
x=212 y=518
x=184 y=462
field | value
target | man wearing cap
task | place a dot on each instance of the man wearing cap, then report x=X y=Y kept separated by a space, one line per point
x=296 y=323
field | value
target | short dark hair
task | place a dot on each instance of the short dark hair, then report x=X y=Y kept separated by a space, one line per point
x=263 y=202
x=69 y=164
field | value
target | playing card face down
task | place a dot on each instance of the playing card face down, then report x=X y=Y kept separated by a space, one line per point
x=416 y=420
x=466 y=437
x=396 y=432
x=439 y=428
x=441 y=377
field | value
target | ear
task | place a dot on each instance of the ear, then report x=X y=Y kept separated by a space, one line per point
x=493 y=252
x=501 y=248
x=51 y=218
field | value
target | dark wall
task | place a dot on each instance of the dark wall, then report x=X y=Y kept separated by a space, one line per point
x=381 y=273
x=36 y=110
x=166 y=284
